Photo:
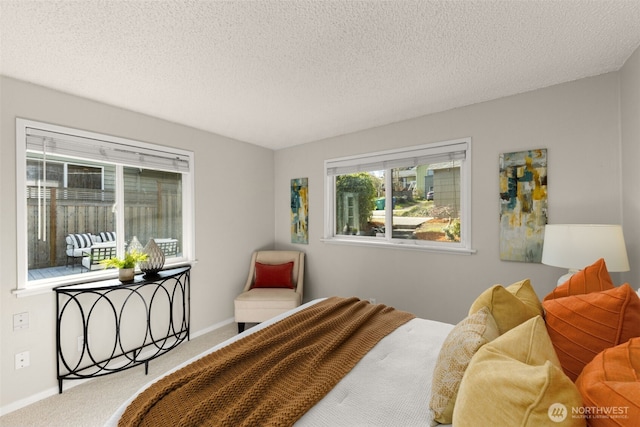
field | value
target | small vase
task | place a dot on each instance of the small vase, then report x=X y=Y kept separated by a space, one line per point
x=154 y=261
x=126 y=274
x=135 y=245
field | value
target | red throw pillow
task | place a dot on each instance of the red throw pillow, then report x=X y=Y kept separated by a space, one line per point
x=610 y=386
x=594 y=278
x=581 y=326
x=273 y=275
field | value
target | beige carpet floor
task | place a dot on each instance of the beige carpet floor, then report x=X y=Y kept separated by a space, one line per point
x=92 y=403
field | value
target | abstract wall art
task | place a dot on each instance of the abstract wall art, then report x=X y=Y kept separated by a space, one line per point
x=523 y=205
x=300 y=210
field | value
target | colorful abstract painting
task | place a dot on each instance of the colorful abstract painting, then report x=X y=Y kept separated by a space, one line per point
x=523 y=205
x=299 y=210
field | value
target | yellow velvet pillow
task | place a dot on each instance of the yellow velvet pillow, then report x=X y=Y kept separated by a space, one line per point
x=581 y=326
x=610 y=386
x=525 y=293
x=507 y=308
x=516 y=380
x=594 y=278
x=455 y=354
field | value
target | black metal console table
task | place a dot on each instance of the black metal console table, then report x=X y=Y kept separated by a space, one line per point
x=109 y=326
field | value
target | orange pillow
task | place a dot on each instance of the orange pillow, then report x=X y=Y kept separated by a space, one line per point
x=273 y=275
x=581 y=326
x=593 y=278
x=611 y=383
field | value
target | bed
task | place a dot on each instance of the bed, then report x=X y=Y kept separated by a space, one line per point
x=512 y=361
x=404 y=357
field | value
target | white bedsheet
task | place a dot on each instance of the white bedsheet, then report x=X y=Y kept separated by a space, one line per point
x=390 y=386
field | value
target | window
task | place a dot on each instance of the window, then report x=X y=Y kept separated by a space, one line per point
x=84 y=196
x=416 y=197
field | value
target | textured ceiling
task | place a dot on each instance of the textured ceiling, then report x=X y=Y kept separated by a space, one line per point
x=281 y=73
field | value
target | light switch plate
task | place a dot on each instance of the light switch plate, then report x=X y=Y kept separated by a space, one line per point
x=22 y=360
x=21 y=321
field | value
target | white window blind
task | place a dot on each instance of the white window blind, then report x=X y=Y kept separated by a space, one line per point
x=54 y=143
x=422 y=155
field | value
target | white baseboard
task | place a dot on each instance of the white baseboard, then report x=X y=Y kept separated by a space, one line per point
x=211 y=328
x=19 y=404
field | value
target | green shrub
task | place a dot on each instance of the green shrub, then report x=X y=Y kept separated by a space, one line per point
x=452 y=231
x=363 y=185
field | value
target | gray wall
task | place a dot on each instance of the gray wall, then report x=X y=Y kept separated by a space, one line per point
x=234 y=216
x=630 y=125
x=578 y=123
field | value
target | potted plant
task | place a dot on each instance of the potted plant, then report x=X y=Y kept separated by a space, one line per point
x=126 y=265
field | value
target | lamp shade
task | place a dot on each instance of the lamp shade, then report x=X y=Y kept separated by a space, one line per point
x=575 y=246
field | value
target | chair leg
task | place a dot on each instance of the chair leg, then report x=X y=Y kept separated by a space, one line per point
x=240 y=327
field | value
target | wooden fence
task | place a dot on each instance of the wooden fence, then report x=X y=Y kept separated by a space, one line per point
x=63 y=212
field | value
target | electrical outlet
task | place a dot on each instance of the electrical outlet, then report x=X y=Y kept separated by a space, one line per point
x=22 y=360
x=21 y=321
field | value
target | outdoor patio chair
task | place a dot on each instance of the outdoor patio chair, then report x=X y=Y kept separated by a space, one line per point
x=97 y=253
x=168 y=246
x=274 y=285
x=77 y=244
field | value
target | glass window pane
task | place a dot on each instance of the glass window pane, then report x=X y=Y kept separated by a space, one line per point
x=421 y=199
x=360 y=204
x=153 y=209
x=62 y=205
x=427 y=202
x=83 y=176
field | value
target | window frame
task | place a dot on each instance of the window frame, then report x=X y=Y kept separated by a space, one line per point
x=371 y=161
x=24 y=286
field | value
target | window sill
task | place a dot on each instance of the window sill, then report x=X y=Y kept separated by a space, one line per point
x=399 y=244
x=48 y=287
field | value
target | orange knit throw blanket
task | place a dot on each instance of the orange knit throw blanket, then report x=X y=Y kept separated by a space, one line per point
x=271 y=377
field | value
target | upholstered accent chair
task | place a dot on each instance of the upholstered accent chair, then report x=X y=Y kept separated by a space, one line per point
x=274 y=285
